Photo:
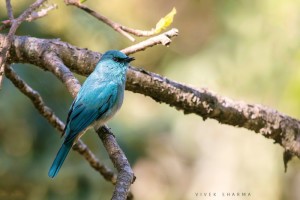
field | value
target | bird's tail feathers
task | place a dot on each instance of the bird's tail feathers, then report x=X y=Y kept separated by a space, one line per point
x=59 y=159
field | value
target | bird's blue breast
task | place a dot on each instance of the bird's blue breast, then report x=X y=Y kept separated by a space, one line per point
x=97 y=101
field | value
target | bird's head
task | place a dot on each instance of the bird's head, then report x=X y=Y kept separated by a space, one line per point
x=116 y=56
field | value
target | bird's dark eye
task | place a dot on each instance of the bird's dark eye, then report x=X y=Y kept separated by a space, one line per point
x=117 y=59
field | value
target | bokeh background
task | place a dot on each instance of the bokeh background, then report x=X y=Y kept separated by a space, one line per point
x=242 y=49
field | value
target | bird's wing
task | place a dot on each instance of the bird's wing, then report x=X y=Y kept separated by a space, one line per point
x=89 y=106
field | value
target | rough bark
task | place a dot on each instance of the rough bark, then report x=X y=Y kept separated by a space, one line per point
x=260 y=119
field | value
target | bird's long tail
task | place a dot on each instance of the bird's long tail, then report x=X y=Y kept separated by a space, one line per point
x=59 y=159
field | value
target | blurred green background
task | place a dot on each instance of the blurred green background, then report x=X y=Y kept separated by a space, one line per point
x=245 y=50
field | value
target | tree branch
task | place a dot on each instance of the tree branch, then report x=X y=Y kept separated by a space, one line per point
x=55 y=65
x=269 y=122
x=260 y=119
x=125 y=173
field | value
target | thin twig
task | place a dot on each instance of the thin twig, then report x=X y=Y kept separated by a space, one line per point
x=15 y=24
x=125 y=31
x=36 y=99
x=9 y=10
x=125 y=173
x=49 y=115
x=41 y=13
x=33 y=16
x=164 y=39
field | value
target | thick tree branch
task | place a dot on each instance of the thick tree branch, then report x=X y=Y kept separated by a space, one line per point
x=272 y=124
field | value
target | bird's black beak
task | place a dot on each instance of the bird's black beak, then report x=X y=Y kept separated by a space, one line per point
x=129 y=59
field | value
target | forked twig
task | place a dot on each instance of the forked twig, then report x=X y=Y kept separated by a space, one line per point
x=164 y=39
x=125 y=31
x=15 y=25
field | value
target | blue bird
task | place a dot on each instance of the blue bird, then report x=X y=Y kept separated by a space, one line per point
x=99 y=98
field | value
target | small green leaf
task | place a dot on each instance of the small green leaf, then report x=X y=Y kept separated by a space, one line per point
x=163 y=23
x=82 y=1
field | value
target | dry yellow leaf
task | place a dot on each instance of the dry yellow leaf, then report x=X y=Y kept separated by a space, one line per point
x=163 y=23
